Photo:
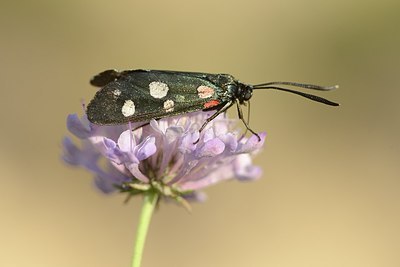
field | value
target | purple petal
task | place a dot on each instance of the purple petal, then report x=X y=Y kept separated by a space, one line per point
x=120 y=157
x=221 y=126
x=250 y=173
x=208 y=135
x=146 y=148
x=105 y=183
x=134 y=169
x=76 y=127
x=211 y=148
x=109 y=144
x=71 y=152
x=230 y=141
x=110 y=150
x=195 y=196
x=120 y=168
x=187 y=142
x=155 y=126
x=244 y=170
x=252 y=143
x=103 y=144
x=86 y=157
x=216 y=176
x=173 y=133
x=126 y=141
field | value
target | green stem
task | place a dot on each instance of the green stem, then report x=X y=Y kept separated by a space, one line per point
x=149 y=203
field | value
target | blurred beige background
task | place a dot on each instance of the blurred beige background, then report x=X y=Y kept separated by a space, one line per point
x=329 y=195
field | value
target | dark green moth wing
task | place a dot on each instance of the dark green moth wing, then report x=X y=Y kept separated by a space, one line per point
x=140 y=95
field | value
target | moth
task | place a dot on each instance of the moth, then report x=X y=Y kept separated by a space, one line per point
x=142 y=95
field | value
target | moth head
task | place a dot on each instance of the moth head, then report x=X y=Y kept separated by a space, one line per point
x=242 y=92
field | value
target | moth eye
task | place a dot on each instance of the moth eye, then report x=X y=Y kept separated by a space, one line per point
x=247 y=95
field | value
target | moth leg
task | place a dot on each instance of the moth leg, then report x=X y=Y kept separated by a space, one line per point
x=247 y=104
x=219 y=111
x=240 y=114
x=140 y=126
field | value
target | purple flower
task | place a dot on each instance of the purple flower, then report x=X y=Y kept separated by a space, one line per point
x=162 y=155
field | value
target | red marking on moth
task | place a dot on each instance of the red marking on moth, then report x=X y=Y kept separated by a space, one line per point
x=211 y=103
x=205 y=91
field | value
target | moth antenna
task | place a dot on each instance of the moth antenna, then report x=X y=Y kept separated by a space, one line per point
x=301 y=85
x=309 y=96
x=295 y=84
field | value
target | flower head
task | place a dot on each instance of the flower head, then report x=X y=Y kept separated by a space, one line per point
x=162 y=155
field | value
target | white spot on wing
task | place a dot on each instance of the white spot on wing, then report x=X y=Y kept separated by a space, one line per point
x=116 y=92
x=158 y=89
x=205 y=91
x=128 y=109
x=169 y=105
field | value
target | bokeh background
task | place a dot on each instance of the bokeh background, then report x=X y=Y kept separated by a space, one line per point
x=330 y=193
